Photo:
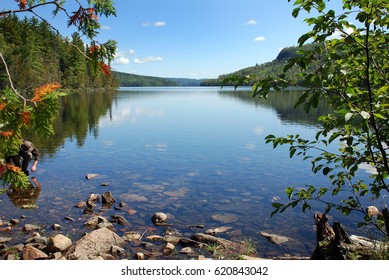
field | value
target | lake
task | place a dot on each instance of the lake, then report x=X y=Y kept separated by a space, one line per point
x=197 y=154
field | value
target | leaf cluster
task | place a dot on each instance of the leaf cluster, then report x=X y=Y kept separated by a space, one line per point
x=348 y=66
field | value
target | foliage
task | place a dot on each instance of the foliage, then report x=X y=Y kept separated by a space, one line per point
x=351 y=71
x=32 y=49
x=85 y=19
x=37 y=55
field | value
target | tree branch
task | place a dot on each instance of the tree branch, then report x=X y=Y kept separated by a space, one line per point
x=11 y=83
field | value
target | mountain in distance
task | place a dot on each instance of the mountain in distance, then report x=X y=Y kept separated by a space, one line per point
x=267 y=69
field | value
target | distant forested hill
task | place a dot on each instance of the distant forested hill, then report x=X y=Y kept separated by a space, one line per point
x=132 y=80
x=183 y=82
x=272 y=68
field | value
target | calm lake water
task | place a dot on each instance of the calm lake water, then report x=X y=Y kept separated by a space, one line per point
x=197 y=154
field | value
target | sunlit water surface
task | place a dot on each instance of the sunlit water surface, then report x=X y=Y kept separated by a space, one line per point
x=197 y=154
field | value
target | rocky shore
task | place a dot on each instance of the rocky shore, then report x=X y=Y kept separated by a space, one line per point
x=112 y=237
x=101 y=240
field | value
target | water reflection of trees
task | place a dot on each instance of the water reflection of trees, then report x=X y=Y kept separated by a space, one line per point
x=283 y=104
x=79 y=116
x=80 y=113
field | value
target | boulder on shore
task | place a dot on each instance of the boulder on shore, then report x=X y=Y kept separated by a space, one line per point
x=58 y=243
x=94 y=245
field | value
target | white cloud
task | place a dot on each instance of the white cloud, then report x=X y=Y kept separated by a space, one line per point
x=160 y=24
x=339 y=34
x=105 y=27
x=121 y=57
x=148 y=59
x=251 y=22
x=155 y=24
x=260 y=39
x=121 y=60
x=258 y=130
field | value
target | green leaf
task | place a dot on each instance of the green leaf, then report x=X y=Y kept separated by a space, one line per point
x=322 y=192
x=326 y=170
x=289 y=192
x=306 y=206
x=379 y=116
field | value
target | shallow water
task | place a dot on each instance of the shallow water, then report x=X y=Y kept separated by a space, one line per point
x=197 y=154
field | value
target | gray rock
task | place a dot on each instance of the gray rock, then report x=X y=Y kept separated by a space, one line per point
x=140 y=256
x=107 y=198
x=120 y=220
x=30 y=227
x=14 y=222
x=132 y=236
x=187 y=250
x=94 y=197
x=37 y=239
x=159 y=218
x=31 y=253
x=107 y=225
x=91 y=175
x=98 y=222
x=214 y=231
x=58 y=243
x=56 y=227
x=168 y=249
x=116 y=250
x=274 y=238
x=94 y=244
x=5 y=239
x=172 y=239
x=80 y=204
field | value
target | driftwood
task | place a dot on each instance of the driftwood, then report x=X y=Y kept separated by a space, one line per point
x=333 y=243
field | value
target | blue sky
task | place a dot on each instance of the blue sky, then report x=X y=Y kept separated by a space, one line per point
x=195 y=38
x=199 y=38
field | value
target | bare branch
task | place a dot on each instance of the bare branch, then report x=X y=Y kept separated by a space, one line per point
x=10 y=81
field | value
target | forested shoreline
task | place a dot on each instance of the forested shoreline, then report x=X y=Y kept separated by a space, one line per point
x=35 y=54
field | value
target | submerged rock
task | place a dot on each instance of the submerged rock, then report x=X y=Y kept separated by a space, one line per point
x=159 y=218
x=120 y=220
x=91 y=175
x=30 y=227
x=274 y=238
x=107 y=198
x=98 y=222
x=214 y=231
x=132 y=236
x=225 y=218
